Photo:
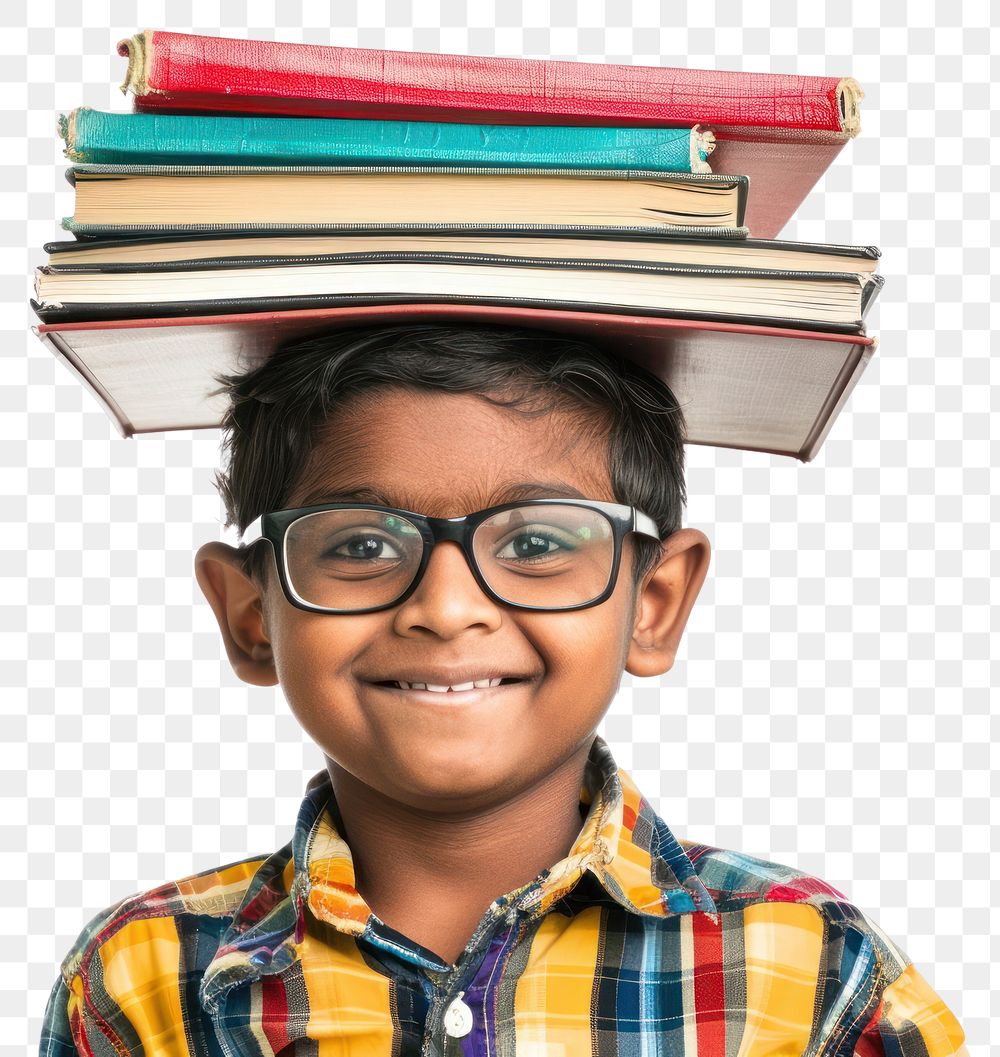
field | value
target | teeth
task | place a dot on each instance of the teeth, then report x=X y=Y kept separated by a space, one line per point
x=480 y=683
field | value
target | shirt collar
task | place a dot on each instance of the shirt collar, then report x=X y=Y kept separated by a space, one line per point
x=630 y=850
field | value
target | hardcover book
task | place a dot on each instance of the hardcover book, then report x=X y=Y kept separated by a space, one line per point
x=820 y=300
x=199 y=139
x=137 y=198
x=186 y=262
x=651 y=245
x=759 y=388
x=780 y=130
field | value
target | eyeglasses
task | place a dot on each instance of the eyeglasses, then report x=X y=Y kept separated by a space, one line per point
x=549 y=554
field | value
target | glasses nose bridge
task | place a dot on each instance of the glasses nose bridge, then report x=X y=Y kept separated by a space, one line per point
x=451 y=530
x=448 y=528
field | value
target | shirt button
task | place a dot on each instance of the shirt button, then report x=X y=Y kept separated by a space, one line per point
x=458 y=1018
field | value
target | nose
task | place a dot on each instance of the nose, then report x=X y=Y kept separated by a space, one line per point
x=448 y=562
x=448 y=597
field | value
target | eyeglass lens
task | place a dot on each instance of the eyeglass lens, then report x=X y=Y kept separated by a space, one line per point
x=549 y=555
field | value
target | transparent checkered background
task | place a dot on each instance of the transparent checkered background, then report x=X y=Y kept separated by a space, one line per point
x=830 y=705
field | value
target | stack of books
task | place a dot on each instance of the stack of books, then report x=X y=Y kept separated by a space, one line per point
x=260 y=192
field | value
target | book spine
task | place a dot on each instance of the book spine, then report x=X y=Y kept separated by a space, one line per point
x=94 y=136
x=192 y=72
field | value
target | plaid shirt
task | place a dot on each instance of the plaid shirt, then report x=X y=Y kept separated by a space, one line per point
x=636 y=943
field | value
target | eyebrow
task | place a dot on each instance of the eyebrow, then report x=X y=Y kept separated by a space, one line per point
x=518 y=490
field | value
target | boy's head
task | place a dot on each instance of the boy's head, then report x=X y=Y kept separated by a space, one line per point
x=447 y=420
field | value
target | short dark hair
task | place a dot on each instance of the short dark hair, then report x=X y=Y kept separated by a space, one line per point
x=278 y=410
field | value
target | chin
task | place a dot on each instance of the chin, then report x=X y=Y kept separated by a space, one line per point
x=429 y=774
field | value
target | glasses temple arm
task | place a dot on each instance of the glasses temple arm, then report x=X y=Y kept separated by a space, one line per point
x=645 y=524
x=252 y=533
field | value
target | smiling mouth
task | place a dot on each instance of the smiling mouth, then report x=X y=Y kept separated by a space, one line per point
x=420 y=688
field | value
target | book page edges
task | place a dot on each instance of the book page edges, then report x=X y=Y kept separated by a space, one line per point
x=108 y=201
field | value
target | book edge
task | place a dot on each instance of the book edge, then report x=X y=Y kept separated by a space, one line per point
x=54 y=342
x=848 y=378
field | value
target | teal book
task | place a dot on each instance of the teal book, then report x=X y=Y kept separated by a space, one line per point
x=96 y=136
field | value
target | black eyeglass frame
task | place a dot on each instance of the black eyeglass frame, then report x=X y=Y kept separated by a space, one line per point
x=274 y=525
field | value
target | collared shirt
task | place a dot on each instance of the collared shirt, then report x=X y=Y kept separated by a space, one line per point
x=636 y=943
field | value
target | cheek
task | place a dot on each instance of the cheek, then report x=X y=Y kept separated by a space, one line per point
x=589 y=650
x=608 y=624
x=314 y=655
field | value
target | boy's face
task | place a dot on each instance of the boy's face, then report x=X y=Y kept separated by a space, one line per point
x=446 y=455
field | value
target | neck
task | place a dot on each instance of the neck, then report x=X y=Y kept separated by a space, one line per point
x=432 y=876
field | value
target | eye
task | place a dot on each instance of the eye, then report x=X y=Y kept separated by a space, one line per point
x=366 y=547
x=533 y=544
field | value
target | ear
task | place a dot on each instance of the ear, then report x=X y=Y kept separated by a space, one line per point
x=664 y=600
x=238 y=606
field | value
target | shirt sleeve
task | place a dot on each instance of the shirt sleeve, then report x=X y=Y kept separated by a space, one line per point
x=64 y=1029
x=911 y=1019
x=56 y=1039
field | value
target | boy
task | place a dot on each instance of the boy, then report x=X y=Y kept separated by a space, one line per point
x=471 y=873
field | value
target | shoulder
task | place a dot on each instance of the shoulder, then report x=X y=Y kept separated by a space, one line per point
x=211 y=896
x=145 y=942
x=737 y=879
x=791 y=924
x=761 y=890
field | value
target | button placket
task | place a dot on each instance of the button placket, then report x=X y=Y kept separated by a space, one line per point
x=457 y=1019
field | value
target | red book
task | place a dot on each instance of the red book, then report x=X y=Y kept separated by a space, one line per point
x=760 y=388
x=781 y=130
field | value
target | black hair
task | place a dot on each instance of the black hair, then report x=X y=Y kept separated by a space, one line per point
x=278 y=410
